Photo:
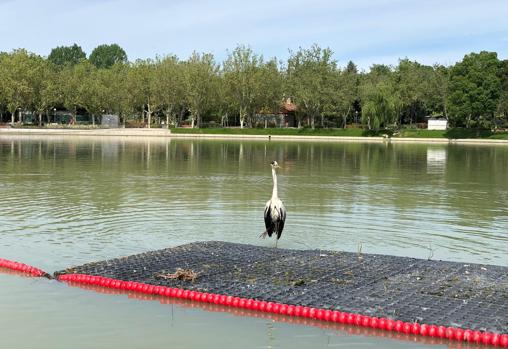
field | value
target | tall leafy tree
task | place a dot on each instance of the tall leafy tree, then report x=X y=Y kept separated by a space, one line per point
x=412 y=83
x=105 y=56
x=270 y=88
x=66 y=55
x=475 y=87
x=440 y=90
x=347 y=91
x=242 y=72
x=200 y=73
x=169 y=82
x=502 y=104
x=143 y=89
x=309 y=77
x=75 y=82
x=19 y=73
x=378 y=98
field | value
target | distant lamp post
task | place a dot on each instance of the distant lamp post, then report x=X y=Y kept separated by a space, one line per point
x=54 y=114
x=356 y=116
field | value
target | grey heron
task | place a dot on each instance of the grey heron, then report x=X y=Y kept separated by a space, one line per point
x=275 y=212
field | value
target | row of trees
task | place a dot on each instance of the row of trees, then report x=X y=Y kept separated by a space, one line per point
x=245 y=87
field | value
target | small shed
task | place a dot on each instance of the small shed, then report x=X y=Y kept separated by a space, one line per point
x=110 y=120
x=437 y=122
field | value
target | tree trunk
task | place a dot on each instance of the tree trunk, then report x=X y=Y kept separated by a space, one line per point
x=180 y=117
x=40 y=119
x=73 y=117
x=242 y=117
x=93 y=120
x=13 y=116
x=345 y=117
x=312 y=122
x=149 y=114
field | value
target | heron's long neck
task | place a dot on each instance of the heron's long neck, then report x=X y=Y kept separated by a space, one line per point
x=274 y=192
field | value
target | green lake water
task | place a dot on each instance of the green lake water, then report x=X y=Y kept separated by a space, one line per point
x=70 y=201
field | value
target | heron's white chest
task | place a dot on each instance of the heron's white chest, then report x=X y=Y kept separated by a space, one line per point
x=275 y=208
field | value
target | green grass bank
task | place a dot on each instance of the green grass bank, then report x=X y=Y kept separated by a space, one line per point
x=457 y=133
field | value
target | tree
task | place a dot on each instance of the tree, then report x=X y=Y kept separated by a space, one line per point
x=105 y=56
x=347 y=91
x=75 y=81
x=241 y=75
x=200 y=73
x=270 y=88
x=440 y=89
x=169 y=81
x=378 y=97
x=143 y=90
x=115 y=97
x=309 y=77
x=502 y=104
x=475 y=86
x=46 y=89
x=66 y=55
x=18 y=71
x=413 y=83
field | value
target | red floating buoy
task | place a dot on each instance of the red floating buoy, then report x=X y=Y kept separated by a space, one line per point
x=291 y=310
x=441 y=331
x=374 y=322
x=350 y=318
x=495 y=340
x=298 y=311
x=486 y=338
x=398 y=326
x=450 y=333
x=459 y=334
x=504 y=341
x=283 y=309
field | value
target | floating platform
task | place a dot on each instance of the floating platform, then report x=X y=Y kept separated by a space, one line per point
x=391 y=296
x=397 y=291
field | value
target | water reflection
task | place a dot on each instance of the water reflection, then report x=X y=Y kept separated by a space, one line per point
x=67 y=202
x=436 y=160
x=114 y=196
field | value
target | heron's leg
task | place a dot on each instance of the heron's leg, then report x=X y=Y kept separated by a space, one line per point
x=276 y=240
x=263 y=234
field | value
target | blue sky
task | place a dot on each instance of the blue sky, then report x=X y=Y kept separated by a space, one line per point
x=367 y=32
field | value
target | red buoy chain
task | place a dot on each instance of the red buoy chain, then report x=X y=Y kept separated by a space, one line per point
x=21 y=267
x=451 y=333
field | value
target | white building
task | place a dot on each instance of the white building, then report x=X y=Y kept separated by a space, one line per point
x=437 y=123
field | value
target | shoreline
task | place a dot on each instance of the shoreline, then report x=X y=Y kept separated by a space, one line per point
x=165 y=133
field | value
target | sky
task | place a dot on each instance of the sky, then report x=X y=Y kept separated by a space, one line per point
x=366 y=32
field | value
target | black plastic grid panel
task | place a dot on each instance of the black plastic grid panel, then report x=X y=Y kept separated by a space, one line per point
x=470 y=296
